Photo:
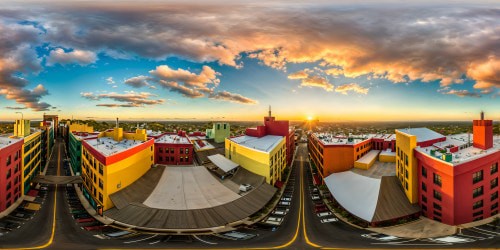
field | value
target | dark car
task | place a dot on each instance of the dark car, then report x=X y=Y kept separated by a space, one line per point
x=81 y=216
x=8 y=225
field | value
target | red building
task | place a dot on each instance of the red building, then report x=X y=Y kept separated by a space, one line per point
x=10 y=171
x=173 y=149
x=273 y=127
x=457 y=182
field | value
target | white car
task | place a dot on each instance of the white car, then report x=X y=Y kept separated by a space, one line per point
x=245 y=187
x=315 y=197
x=279 y=212
x=286 y=198
x=275 y=219
x=284 y=203
x=323 y=214
x=328 y=220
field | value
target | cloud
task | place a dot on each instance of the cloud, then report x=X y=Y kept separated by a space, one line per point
x=462 y=93
x=486 y=74
x=181 y=89
x=354 y=87
x=299 y=75
x=29 y=98
x=139 y=81
x=110 y=80
x=232 y=97
x=128 y=99
x=81 y=57
x=205 y=81
x=15 y=108
x=317 y=82
x=334 y=71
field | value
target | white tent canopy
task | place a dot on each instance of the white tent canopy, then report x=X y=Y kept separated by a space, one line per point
x=222 y=162
x=357 y=194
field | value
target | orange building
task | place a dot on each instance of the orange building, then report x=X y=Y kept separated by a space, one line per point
x=333 y=154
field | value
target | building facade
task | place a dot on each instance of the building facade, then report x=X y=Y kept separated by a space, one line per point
x=173 y=149
x=219 y=132
x=265 y=156
x=77 y=133
x=10 y=171
x=112 y=162
x=332 y=154
x=454 y=180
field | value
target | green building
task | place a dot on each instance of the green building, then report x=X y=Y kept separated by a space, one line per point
x=219 y=132
x=75 y=149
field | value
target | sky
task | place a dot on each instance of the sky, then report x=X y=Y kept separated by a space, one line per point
x=214 y=60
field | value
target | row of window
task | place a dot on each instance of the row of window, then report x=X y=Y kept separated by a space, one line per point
x=172 y=150
x=172 y=159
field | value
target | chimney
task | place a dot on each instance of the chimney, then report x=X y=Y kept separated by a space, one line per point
x=269 y=110
x=482 y=115
x=116 y=122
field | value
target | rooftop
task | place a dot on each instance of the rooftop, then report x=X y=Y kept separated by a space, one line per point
x=173 y=139
x=333 y=139
x=265 y=143
x=108 y=146
x=84 y=135
x=153 y=133
x=423 y=134
x=5 y=140
x=201 y=143
x=465 y=151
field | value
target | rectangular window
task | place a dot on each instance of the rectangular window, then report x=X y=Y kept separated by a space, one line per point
x=436 y=206
x=480 y=212
x=101 y=169
x=424 y=187
x=494 y=168
x=494 y=183
x=436 y=218
x=424 y=207
x=437 y=179
x=495 y=205
x=477 y=192
x=9 y=160
x=171 y=150
x=160 y=149
x=424 y=172
x=437 y=213
x=160 y=158
x=187 y=150
x=101 y=198
x=225 y=125
x=424 y=199
x=101 y=184
x=477 y=176
x=477 y=204
x=437 y=195
x=494 y=196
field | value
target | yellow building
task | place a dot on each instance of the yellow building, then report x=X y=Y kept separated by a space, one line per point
x=31 y=152
x=265 y=156
x=78 y=127
x=112 y=162
x=406 y=164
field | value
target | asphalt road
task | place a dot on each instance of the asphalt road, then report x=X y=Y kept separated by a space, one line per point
x=301 y=228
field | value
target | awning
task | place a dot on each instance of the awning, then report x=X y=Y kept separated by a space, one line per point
x=222 y=162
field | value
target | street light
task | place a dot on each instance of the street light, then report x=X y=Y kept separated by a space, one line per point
x=22 y=116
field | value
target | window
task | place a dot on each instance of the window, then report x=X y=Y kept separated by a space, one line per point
x=171 y=150
x=437 y=213
x=151 y=148
x=494 y=168
x=477 y=176
x=424 y=187
x=437 y=195
x=160 y=149
x=494 y=196
x=477 y=192
x=494 y=183
x=480 y=212
x=101 y=184
x=424 y=207
x=424 y=172
x=477 y=204
x=160 y=158
x=180 y=150
x=436 y=206
x=100 y=198
x=101 y=169
x=424 y=199
x=436 y=218
x=8 y=174
x=437 y=179
x=171 y=158
x=494 y=206
x=181 y=159
x=187 y=150
x=406 y=173
x=9 y=160
x=225 y=125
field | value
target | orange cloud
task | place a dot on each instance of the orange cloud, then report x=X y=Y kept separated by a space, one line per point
x=317 y=82
x=354 y=87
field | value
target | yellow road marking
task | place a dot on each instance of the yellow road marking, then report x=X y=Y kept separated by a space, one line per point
x=51 y=239
x=303 y=207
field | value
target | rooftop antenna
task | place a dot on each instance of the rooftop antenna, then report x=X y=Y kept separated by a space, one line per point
x=482 y=115
x=269 y=110
x=116 y=122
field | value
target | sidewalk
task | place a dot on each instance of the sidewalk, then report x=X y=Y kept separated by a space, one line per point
x=421 y=228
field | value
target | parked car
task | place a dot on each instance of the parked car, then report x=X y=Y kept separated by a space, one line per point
x=323 y=214
x=81 y=216
x=328 y=220
x=286 y=199
x=8 y=225
x=315 y=197
x=78 y=211
x=279 y=212
x=245 y=187
x=284 y=203
x=85 y=220
x=21 y=215
x=320 y=209
x=93 y=228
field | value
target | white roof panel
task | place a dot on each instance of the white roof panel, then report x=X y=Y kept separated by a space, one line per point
x=266 y=143
x=358 y=194
x=222 y=162
x=423 y=134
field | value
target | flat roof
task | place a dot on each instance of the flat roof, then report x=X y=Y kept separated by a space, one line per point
x=153 y=133
x=377 y=170
x=201 y=143
x=83 y=136
x=172 y=139
x=189 y=187
x=5 y=140
x=423 y=134
x=222 y=162
x=266 y=143
x=108 y=146
x=466 y=151
x=339 y=139
x=372 y=154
